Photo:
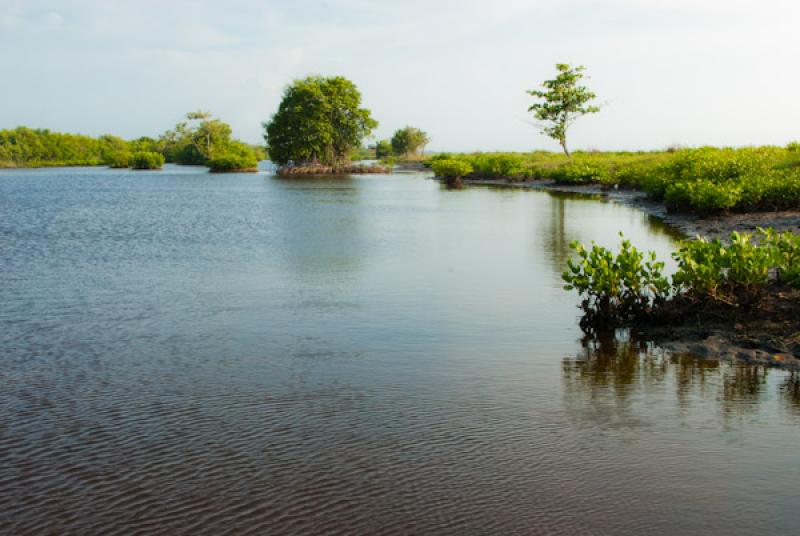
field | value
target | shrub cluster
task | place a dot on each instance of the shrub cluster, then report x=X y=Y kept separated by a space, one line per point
x=232 y=162
x=451 y=169
x=615 y=287
x=147 y=160
x=119 y=159
x=628 y=286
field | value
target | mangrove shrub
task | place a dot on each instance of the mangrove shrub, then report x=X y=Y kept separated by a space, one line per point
x=147 y=160
x=615 y=287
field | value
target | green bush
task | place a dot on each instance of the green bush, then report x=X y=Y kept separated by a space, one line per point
x=119 y=159
x=147 y=160
x=451 y=169
x=617 y=287
x=734 y=273
x=232 y=162
x=702 y=196
x=785 y=250
x=579 y=173
x=624 y=287
x=499 y=165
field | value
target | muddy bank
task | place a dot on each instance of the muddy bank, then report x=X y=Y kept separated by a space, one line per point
x=766 y=333
x=689 y=225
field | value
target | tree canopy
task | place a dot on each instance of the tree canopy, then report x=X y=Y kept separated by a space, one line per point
x=319 y=120
x=383 y=149
x=196 y=140
x=564 y=101
x=409 y=140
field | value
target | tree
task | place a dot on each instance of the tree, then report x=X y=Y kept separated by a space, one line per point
x=383 y=149
x=409 y=140
x=319 y=120
x=564 y=102
x=196 y=140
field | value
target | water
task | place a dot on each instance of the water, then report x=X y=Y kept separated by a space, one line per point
x=192 y=353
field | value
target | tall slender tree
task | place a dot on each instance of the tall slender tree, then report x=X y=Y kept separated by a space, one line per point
x=564 y=101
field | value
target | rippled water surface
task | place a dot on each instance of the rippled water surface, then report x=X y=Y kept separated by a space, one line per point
x=190 y=353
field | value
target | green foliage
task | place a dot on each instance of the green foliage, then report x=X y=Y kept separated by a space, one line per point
x=702 y=196
x=147 y=160
x=319 y=120
x=785 y=250
x=706 y=180
x=409 y=140
x=579 y=173
x=232 y=162
x=26 y=147
x=564 y=101
x=119 y=159
x=617 y=287
x=196 y=140
x=793 y=147
x=451 y=169
x=624 y=287
x=383 y=149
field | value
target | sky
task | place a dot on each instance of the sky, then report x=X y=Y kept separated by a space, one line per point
x=666 y=72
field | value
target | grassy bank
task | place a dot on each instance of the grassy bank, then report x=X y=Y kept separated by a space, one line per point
x=706 y=180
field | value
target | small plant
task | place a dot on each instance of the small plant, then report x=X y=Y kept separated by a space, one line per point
x=147 y=160
x=616 y=288
x=785 y=250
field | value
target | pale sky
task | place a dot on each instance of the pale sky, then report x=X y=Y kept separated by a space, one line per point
x=667 y=71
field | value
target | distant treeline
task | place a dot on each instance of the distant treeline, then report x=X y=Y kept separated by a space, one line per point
x=200 y=140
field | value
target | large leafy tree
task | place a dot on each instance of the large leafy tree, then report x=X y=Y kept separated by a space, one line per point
x=409 y=140
x=564 y=100
x=319 y=120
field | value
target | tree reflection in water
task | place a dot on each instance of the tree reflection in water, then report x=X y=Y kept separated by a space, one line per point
x=613 y=374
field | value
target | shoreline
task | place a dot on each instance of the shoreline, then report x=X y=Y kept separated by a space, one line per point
x=688 y=224
x=768 y=337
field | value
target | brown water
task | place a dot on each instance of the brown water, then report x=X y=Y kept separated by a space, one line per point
x=191 y=353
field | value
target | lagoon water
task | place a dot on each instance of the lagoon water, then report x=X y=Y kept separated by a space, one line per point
x=183 y=352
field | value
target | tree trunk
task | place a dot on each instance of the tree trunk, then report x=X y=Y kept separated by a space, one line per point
x=563 y=143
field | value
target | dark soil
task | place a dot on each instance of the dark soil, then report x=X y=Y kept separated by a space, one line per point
x=765 y=333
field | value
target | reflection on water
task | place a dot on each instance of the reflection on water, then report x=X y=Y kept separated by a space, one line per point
x=620 y=368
